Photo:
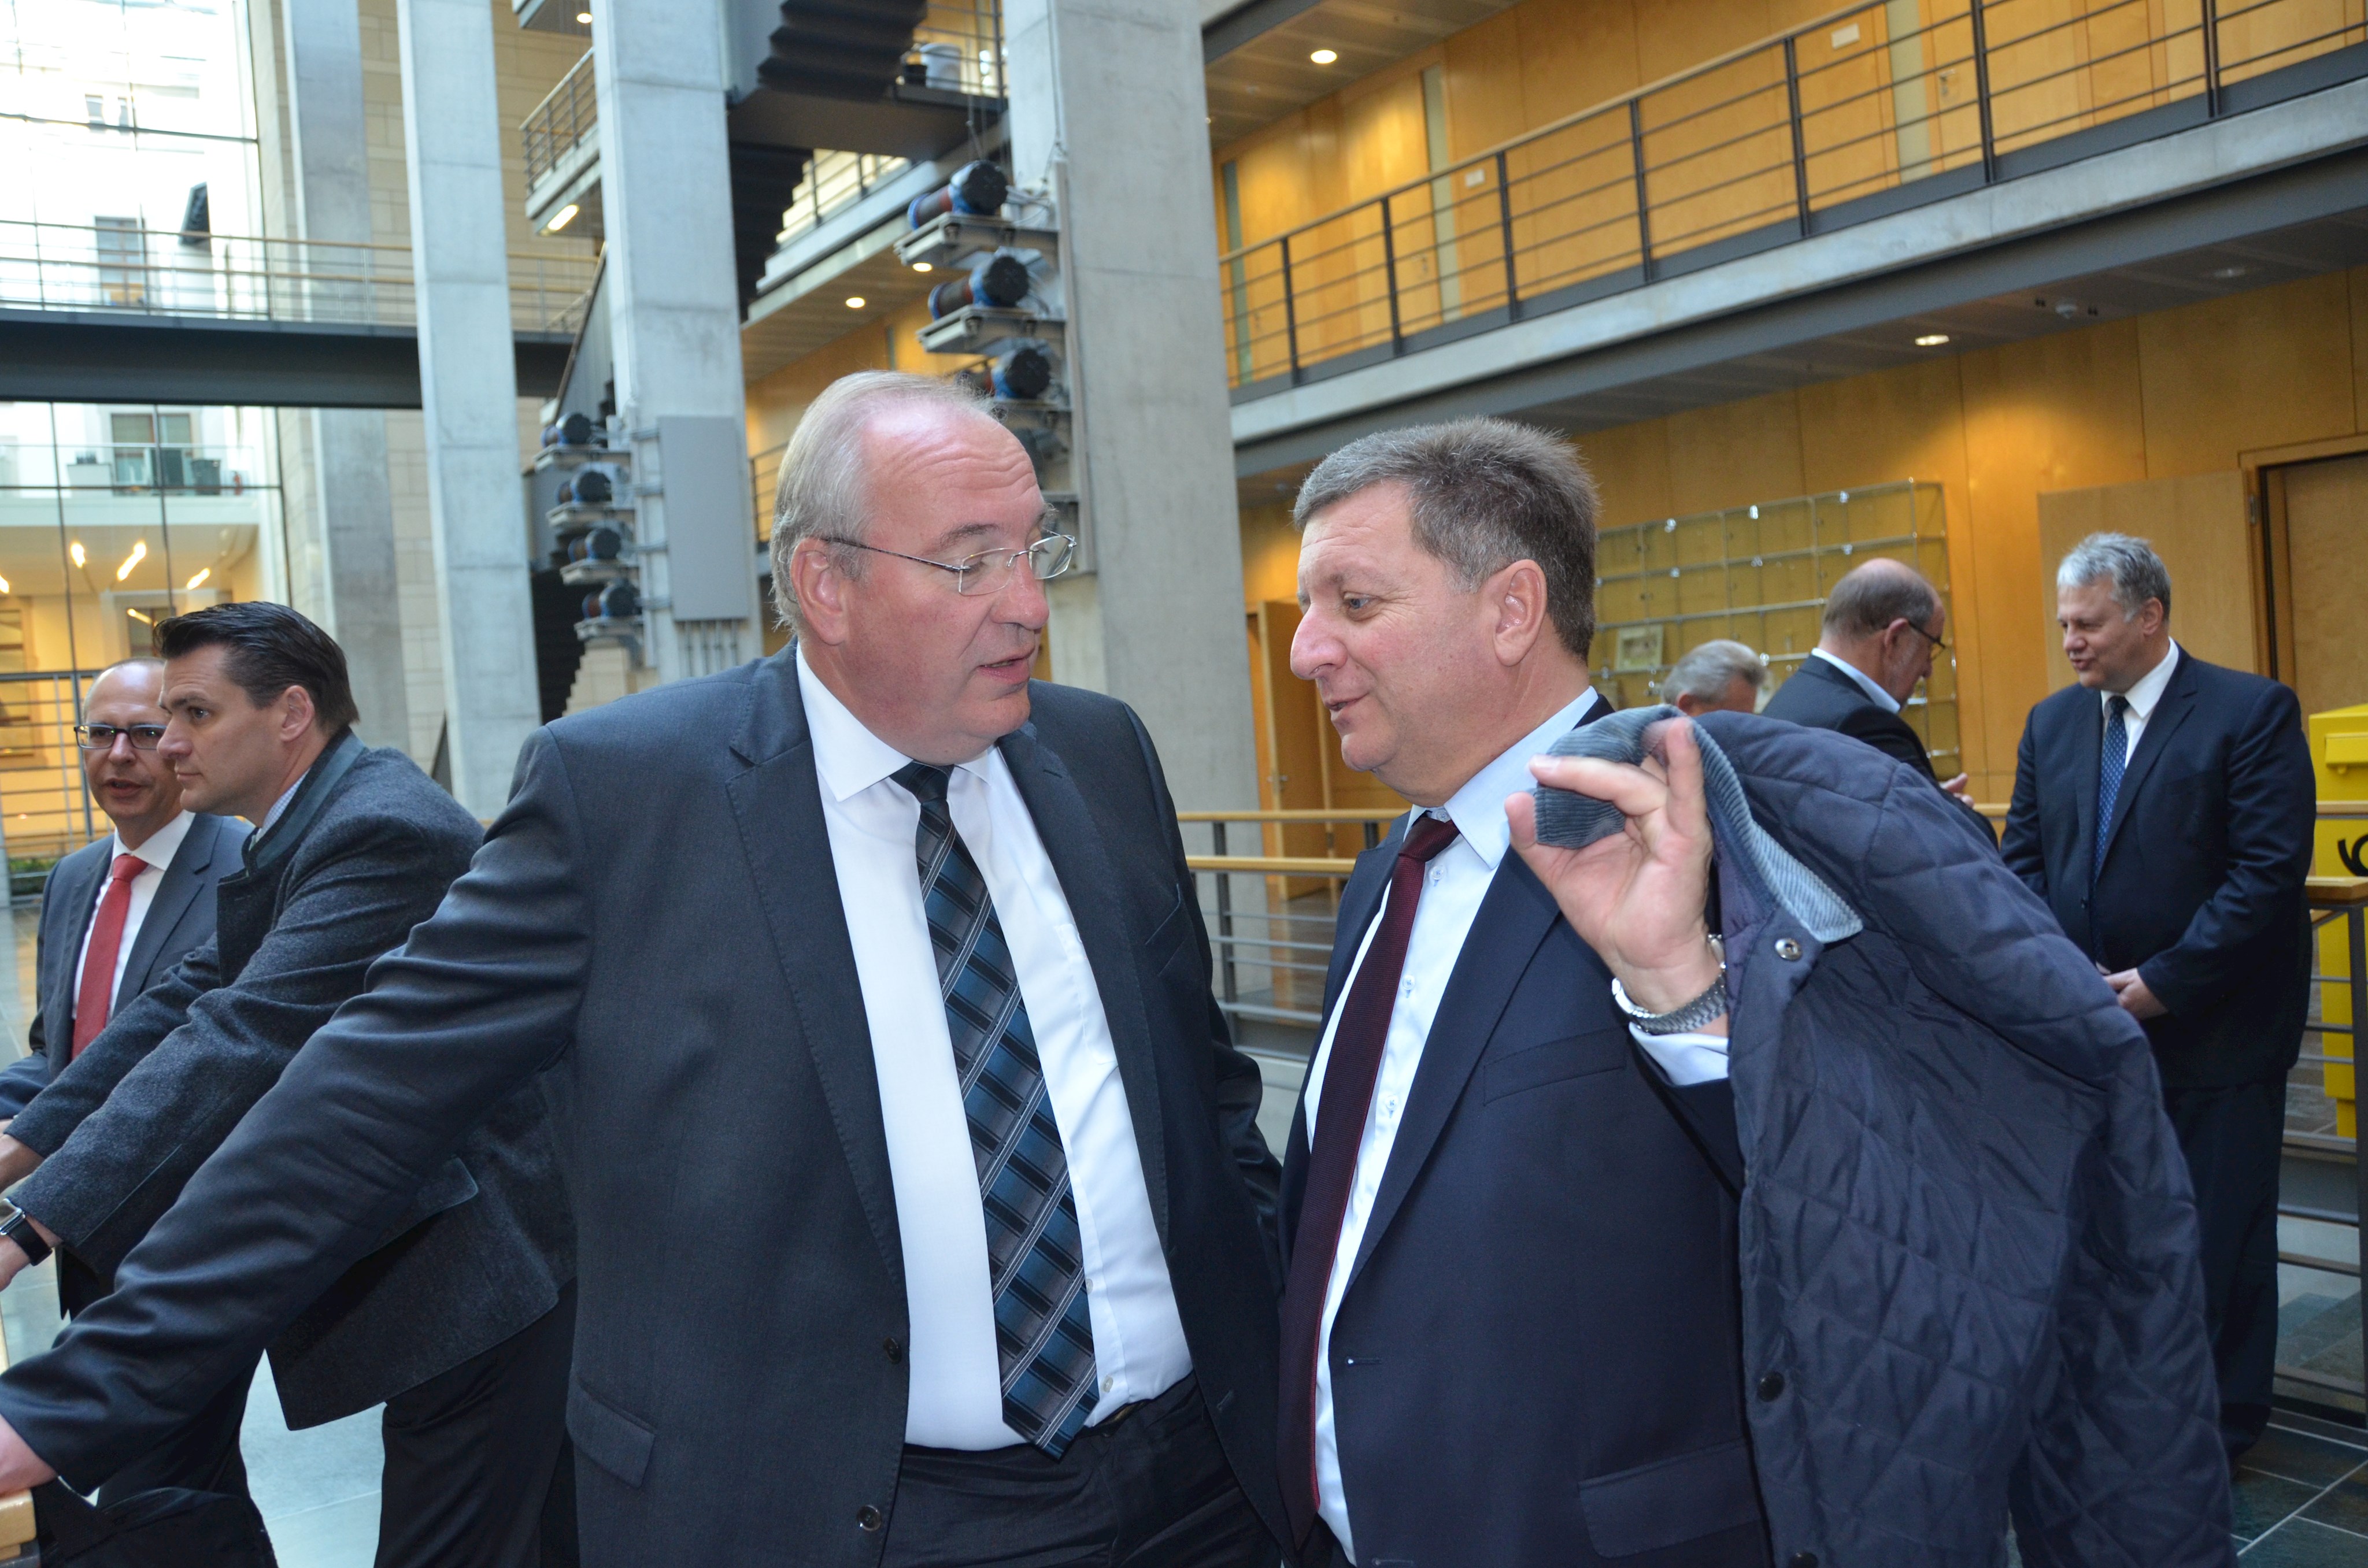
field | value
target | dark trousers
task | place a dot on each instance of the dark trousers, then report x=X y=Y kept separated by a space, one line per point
x=478 y=1472
x=201 y=1455
x=2233 y=1140
x=1149 y=1488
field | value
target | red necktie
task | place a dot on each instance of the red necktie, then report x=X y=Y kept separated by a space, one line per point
x=1349 y=1077
x=97 y=998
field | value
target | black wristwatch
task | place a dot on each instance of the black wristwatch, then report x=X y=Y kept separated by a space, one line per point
x=18 y=1227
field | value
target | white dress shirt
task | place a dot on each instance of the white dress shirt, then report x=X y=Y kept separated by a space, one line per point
x=158 y=850
x=1139 y=1349
x=1864 y=681
x=2143 y=694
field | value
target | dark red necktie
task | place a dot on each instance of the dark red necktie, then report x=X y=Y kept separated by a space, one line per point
x=97 y=998
x=1348 y=1095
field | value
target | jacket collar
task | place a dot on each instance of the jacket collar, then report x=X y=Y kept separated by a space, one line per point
x=200 y=857
x=267 y=850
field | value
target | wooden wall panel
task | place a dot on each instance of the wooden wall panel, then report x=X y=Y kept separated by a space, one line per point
x=1735 y=453
x=1631 y=463
x=2196 y=523
x=2358 y=303
x=2326 y=519
x=1574 y=54
x=2261 y=368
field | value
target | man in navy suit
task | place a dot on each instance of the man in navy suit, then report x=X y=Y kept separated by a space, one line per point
x=1880 y=632
x=2164 y=808
x=1510 y=1319
x=116 y=916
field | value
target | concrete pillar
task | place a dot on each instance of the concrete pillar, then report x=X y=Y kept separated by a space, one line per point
x=320 y=133
x=469 y=391
x=1159 y=623
x=674 y=315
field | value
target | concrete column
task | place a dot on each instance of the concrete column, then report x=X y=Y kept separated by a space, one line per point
x=674 y=315
x=469 y=390
x=320 y=140
x=1159 y=623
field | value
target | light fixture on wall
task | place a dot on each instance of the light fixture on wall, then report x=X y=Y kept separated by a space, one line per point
x=198 y=581
x=139 y=553
x=855 y=302
x=5 y=588
x=1933 y=340
x=76 y=551
x=565 y=216
x=1324 y=56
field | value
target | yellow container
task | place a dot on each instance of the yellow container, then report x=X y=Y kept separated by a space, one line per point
x=2338 y=751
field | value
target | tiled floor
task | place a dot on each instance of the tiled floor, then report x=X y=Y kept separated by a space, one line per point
x=2302 y=1497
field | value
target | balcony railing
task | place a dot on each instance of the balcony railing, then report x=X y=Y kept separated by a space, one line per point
x=833 y=180
x=559 y=124
x=67 y=266
x=1840 y=122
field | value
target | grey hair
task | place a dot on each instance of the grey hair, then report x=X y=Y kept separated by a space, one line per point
x=2136 y=572
x=1869 y=597
x=823 y=492
x=1706 y=672
x=1485 y=494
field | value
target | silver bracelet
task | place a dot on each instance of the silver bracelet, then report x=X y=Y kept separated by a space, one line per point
x=1702 y=1009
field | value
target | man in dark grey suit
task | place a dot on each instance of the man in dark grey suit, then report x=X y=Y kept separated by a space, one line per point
x=459 y=1317
x=925 y=1216
x=116 y=916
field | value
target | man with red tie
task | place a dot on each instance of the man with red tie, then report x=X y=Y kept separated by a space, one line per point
x=115 y=917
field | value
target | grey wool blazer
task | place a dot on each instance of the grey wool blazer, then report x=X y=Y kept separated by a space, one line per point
x=180 y=920
x=363 y=853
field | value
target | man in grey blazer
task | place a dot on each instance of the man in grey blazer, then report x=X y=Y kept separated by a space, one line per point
x=926 y=1221
x=116 y=915
x=459 y=1317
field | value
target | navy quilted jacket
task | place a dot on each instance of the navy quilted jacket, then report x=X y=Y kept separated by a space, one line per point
x=1967 y=1240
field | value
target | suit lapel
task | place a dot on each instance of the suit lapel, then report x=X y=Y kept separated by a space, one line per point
x=76 y=900
x=776 y=802
x=1088 y=881
x=1358 y=900
x=2088 y=761
x=2176 y=703
x=178 y=888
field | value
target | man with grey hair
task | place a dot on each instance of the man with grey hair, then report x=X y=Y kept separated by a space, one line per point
x=1720 y=675
x=1883 y=625
x=2163 y=807
x=870 y=986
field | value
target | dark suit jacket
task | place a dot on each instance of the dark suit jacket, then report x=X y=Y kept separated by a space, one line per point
x=341 y=879
x=1538 y=1358
x=1821 y=698
x=2202 y=889
x=656 y=918
x=180 y=920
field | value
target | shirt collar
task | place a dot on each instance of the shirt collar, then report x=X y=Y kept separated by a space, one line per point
x=2146 y=690
x=279 y=807
x=1865 y=682
x=159 y=847
x=849 y=758
x=1478 y=809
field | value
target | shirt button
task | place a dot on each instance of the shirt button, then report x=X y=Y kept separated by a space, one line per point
x=1435 y=874
x=868 y=1517
x=1109 y=1383
x=1405 y=988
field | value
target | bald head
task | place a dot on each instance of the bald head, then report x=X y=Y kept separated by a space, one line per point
x=1886 y=621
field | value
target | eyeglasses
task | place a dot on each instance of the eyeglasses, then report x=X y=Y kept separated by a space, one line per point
x=1937 y=646
x=990 y=570
x=101 y=738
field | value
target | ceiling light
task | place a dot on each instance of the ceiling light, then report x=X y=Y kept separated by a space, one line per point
x=139 y=553
x=2224 y=273
x=921 y=267
x=583 y=18
x=1933 y=340
x=76 y=551
x=565 y=216
x=140 y=616
x=199 y=580
x=1324 y=56
x=5 y=588
x=855 y=302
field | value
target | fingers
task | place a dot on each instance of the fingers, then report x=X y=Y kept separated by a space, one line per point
x=1635 y=791
x=1687 y=812
x=1521 y=813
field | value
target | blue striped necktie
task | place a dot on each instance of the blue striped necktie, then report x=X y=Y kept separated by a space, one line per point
x=2109 y=767
x=1043 y=1331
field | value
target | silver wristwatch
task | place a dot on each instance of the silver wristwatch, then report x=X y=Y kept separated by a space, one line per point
x=1686 y=1020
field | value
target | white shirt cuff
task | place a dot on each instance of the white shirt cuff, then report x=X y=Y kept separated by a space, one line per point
x=1685 y=1060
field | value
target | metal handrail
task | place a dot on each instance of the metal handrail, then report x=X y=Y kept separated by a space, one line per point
x=553 y=128
x=1599 y=201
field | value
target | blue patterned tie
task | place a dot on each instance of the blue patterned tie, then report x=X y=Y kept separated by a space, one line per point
x=2109 y=767
x=1043 y=1330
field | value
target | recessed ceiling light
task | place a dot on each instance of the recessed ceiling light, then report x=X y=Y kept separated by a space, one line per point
x=81 y=557
x=2224 y=273
x=921 y=267
x=561 y=219
x=855 y=302
x=1933 y=340
x=583 y=18
x=139 y=553
x=1324 y=56
x=199 y=580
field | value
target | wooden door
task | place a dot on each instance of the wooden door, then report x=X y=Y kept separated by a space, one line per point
x=2323 y=608
x=1290 y=743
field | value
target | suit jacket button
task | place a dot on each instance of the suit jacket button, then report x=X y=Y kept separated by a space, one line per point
x=1803 y=1560
x=1789 y=950
x=868 y=1517
x=1771 y=1386
x=895 y=1351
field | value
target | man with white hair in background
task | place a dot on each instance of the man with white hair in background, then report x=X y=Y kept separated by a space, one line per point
x=1720 y=676
x=2163 y=807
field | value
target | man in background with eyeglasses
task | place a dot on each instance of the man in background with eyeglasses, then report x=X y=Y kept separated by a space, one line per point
x=923 y=1217
x=115 y=917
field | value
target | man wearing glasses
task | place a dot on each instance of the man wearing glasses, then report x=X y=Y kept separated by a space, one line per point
x=922 y=1214
x=115 y=917
x=1882 y=629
